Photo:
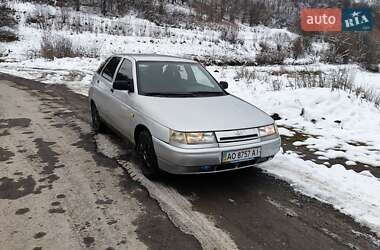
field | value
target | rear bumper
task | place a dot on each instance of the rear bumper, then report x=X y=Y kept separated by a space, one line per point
x=208 y=160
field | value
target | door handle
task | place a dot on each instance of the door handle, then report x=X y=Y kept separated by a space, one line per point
x=112 y=90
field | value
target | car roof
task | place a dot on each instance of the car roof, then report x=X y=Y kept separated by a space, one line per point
x=156 y=57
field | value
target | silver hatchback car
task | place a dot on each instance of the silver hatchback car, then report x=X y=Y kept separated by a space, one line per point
x=180 y=118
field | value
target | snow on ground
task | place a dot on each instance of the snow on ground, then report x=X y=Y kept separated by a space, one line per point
x=367 y=79
x=76 y=73
x=354 y=194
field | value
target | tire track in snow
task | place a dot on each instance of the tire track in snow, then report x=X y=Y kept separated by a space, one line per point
x=176 y=206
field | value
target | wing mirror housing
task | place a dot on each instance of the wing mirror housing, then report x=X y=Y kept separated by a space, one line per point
x=223 y=85
x=123 y=85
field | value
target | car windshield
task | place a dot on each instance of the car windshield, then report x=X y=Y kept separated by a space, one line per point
x=173 y=79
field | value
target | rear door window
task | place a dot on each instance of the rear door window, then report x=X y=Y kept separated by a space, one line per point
x=110 y=69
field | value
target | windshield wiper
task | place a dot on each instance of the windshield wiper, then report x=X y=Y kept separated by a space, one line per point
x=170 y=94
x=207 y=93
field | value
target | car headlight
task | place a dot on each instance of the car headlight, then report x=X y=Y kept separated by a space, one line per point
x=268 y=130
x=177 y=137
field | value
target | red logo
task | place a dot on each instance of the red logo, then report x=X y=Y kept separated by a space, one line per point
x=328 y=19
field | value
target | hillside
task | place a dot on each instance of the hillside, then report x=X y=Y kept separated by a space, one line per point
x=89 y=35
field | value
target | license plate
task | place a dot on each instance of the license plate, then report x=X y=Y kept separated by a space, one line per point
x=241 y=155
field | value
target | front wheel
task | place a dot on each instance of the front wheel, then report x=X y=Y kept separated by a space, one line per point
x=146 y=150
x=97 y=123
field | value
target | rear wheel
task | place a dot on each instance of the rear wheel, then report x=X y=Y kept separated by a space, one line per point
x=146 y=150
x=97 y=123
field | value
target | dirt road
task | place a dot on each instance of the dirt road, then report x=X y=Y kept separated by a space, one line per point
x=60 y=190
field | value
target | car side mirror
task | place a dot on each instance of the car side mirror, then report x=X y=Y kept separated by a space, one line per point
x=123 y=85
x=223 y=85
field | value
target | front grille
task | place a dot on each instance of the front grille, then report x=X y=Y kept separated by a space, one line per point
x=238 y=138
x=237 y=135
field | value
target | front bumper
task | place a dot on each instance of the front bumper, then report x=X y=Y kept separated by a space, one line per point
x=177 y=160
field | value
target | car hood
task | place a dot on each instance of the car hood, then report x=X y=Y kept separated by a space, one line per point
x=203 y=113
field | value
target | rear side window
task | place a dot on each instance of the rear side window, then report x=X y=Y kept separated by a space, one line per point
x=102 y=66
x=109 y=70
x=125 y=71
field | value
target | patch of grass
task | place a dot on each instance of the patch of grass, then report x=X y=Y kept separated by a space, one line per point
x=56 y=47
x=272 y=56
x=7 y=36
x=246 y=74
x=368 y=94
x=230 y=34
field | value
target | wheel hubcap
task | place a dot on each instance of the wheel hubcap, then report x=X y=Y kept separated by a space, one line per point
x=144 y=153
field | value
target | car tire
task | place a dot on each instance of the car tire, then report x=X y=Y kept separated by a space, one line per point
x=145 y=149
x=97 y=124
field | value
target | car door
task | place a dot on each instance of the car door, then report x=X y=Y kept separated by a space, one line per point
x=122 y=101
x=105 y=90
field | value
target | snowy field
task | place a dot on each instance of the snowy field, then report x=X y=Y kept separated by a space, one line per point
x=339 y=124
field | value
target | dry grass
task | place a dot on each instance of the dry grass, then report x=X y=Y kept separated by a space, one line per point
x=230 y=34
x=56 y=46
x=271 y=56
x=246 y=74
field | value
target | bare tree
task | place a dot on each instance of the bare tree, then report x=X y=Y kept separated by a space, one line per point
x=103 y=7
x=77 y=5
x=222 y=9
